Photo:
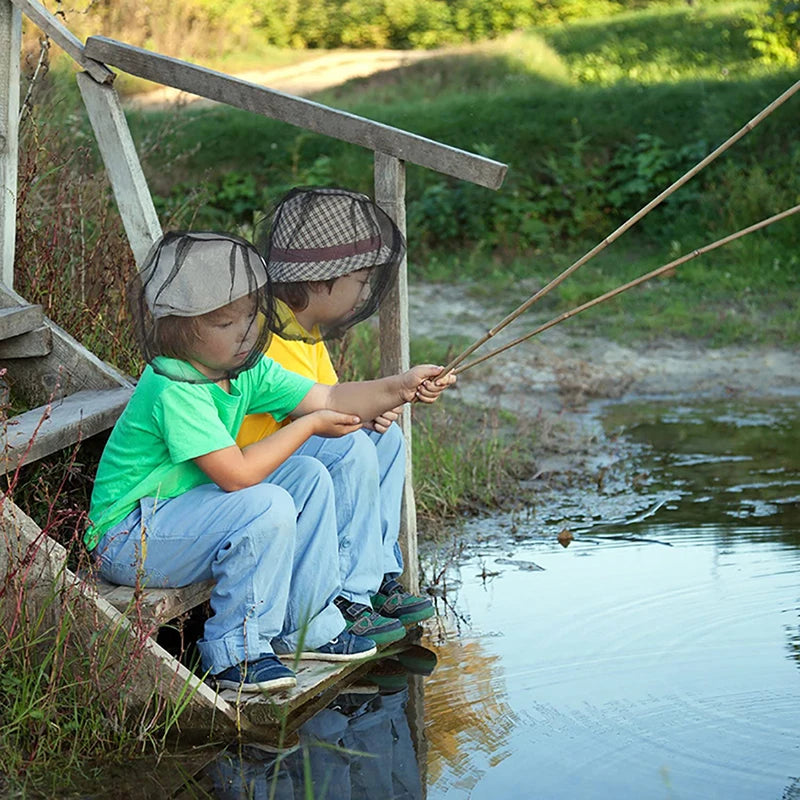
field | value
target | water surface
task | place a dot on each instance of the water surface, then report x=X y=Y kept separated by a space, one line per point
x=649 y=659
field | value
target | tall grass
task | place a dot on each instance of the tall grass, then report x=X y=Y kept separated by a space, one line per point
x=64 y=697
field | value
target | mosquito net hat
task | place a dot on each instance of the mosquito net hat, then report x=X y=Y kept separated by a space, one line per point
x=318 y=234
x=186 y=276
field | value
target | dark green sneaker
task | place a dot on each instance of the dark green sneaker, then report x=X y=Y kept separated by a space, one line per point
x=364 y=621
x=393 y=601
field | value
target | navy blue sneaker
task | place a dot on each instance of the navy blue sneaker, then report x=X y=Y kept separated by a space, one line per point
x=266 y=674
x=344 y=647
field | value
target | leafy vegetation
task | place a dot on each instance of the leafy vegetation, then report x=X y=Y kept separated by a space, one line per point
x=594 y=117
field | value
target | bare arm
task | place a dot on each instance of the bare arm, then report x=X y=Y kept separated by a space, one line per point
x=370 y=399
x=232 y=468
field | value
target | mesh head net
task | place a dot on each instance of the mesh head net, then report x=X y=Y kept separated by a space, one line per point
x=332 y=256
x=202 y=298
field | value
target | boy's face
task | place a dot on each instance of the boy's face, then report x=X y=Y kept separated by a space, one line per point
x=225 y=337
x=346 y=296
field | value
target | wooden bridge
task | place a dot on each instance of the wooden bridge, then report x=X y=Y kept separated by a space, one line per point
x=73 y=395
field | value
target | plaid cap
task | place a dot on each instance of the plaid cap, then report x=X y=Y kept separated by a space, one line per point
x=320 y=233
x=188 y=274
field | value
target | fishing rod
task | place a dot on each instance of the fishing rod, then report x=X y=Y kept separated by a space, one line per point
x=630 y=285
x=624 y=227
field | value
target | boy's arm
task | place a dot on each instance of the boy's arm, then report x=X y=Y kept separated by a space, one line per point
x=370 y=399
x=232 y=468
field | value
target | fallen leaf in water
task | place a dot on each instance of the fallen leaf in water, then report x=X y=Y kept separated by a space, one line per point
x=565 y=537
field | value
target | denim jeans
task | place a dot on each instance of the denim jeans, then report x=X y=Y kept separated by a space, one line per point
x=368 y=472
x=271 y=548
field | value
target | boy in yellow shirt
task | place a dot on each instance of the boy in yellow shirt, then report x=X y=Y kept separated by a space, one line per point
x=332 y=255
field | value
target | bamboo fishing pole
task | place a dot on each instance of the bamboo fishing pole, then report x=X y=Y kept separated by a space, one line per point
x=630 y=285
x=625 y=226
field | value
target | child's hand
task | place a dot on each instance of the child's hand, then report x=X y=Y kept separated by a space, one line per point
x=432 y=385
x=415 y=378
x=332 y=424
x=382 y=422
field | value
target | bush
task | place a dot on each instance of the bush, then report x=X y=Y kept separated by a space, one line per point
x=775 y=36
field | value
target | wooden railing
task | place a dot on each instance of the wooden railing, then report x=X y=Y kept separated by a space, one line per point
x=392 y=149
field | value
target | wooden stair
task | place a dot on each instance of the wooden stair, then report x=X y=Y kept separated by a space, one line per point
x=71 y=394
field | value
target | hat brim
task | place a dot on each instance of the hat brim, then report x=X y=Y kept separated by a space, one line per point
x=296 y=271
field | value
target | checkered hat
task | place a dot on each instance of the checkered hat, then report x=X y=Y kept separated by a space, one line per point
x=189 y=274
x=322 y=233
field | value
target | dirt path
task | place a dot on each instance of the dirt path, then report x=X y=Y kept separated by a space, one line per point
x=299 y=79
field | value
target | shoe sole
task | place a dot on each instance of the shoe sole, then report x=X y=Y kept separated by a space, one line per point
x=313 y=655
x=263 y=686
x=417 y=616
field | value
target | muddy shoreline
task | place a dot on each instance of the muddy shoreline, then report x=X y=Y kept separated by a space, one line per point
x=560 y=381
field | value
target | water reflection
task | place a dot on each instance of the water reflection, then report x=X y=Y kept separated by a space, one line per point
x=368 y=743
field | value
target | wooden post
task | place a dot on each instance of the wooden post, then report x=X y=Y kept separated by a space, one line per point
x=390 y=191
x=122 y=165
x=10 y=51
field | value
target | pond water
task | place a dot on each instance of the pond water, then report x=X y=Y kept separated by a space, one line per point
x=656 y=655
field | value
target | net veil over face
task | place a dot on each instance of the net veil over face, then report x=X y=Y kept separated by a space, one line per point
x=319 y=234
x=202 y=293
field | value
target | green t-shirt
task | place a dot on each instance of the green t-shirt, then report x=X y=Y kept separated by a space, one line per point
x=167 y=423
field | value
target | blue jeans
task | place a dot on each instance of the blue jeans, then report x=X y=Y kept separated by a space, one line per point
x=271 y=548
x=364 y=466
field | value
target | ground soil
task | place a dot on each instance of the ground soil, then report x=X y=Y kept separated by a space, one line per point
x=558 y=379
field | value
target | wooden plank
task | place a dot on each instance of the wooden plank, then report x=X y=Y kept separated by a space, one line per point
x=64 y=38
x=390 y=191
x=68 y=368
x=18 y=320
x=38 y=342
x=122 y=165
x=10 y=47
x=155 y=605
x=313 y=679
x=41 y=431
x=297 y=111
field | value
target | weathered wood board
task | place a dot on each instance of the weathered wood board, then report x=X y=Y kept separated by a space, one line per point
x=38 y=342
x=67 y=368
x=19 y=320
x=45 y=430
x=64 y=38
x=297 y=111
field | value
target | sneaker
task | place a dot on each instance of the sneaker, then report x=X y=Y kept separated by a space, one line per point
x=344 y=647
x=365 y=621
x=265 y=674
x=393 y=601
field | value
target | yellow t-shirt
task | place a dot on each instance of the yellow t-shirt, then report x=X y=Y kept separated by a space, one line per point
x=311 y=360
